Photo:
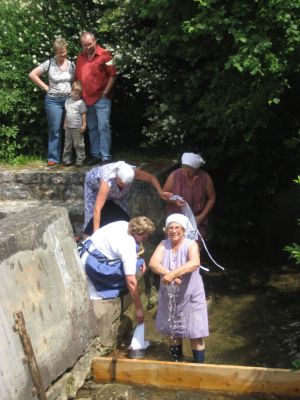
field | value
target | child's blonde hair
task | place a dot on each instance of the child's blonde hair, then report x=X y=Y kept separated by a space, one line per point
x=77 y=87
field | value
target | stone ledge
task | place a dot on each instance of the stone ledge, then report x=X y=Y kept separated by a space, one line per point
x=74 y=207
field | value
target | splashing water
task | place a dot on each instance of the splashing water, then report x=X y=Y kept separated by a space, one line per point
x=173 y=321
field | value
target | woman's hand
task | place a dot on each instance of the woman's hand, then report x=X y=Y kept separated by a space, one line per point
x=143 y=268
x=139 y=315
x=35 y=76
x=168 y=278
x=165 y=195
x=177 y=203
x=177 y=281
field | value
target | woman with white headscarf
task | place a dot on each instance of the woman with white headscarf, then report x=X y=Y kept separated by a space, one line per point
x=195 y=186
x=105 y=191
x=182 y=310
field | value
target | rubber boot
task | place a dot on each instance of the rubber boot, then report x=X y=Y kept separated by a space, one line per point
x=176 y=353
x=199 y=356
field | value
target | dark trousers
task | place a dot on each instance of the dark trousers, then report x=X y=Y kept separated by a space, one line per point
x=110 y=212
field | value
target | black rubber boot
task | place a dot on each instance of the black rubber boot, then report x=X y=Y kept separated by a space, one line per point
x=176 y=353
x=199 y=356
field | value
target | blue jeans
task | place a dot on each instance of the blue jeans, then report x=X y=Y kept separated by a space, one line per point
x=55 y=108
x=98 y=122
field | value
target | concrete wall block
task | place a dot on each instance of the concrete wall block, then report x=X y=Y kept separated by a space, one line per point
x=107 y=312
x=42 y=277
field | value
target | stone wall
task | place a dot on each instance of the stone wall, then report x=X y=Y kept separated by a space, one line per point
x=64 y=188
x=41 y=276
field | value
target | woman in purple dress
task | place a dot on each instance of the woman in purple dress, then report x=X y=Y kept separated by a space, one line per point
x=182 y=310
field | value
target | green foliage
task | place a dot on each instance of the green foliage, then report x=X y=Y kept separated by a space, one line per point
x=220 y=77
x=294 y=249
x=8 y=145
x=28 y=29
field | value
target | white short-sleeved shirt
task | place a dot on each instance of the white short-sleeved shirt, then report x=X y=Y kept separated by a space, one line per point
x=74 y=111
x=114 y=242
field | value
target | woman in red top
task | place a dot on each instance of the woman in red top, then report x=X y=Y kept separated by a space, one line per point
x=195 y=186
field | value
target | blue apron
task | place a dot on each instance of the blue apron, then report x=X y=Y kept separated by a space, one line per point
x=106 y=275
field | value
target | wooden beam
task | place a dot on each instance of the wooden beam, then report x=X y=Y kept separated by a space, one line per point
x=20 y=327
x=227 y=378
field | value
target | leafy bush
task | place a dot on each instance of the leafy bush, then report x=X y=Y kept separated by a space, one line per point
x=220 y=77
x=8 y=145
x=294 y=249
x=29 y=28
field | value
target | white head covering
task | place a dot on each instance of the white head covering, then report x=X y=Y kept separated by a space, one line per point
x=192 y=160
x=125 y=173
x=181 y=220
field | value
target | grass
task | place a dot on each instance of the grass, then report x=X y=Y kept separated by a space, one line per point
x=136 y=157
x=23 y=160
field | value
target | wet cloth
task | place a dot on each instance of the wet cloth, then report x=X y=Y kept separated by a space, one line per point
x=107 y=173
x=182 y=310
x=195 y=195
x=138 y=341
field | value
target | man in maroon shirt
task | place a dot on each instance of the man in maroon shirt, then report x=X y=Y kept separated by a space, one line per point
x=95 y=70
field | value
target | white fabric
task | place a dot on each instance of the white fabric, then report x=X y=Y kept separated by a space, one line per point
x=181 y=220
x=192 y=160
x=126 y=173
x=109 y=171
x=114 y=242
x=138 y=342
x=194 y=232
x=187 y=211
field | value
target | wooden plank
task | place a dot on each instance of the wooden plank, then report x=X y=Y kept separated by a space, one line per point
x=104 y=368
x=165 y=374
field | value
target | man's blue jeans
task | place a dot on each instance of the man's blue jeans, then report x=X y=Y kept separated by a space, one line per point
x=98 y=122
x=55 y=108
